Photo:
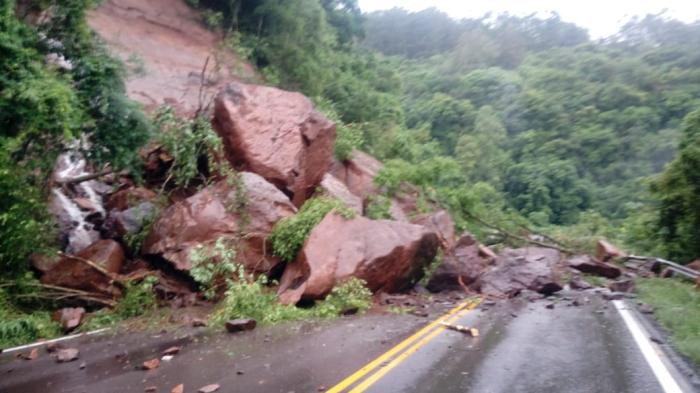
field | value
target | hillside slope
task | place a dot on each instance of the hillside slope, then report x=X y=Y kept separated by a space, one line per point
x=165 y=46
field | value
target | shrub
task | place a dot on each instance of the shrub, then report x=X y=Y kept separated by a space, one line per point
x=289 y=235
x=138 y=298
x=211 y=268
x=250 y=298
x=378 y=207
x=351 y=295
x=188 y=142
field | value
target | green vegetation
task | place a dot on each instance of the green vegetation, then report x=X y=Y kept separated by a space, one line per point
x=191 y=143
x=247 y=297
x=289 y=235
x=44 y=105
x=139 y=299
x=378 y=207
x=678 y=193
x=677 y=307
x=211 y=268
x=17 y=328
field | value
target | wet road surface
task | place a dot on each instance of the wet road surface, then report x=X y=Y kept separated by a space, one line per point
x=522 y=347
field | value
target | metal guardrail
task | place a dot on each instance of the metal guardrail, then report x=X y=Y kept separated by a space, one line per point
x=675 y=267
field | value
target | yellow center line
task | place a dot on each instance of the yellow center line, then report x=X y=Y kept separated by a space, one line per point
x=406 y=354
x=399 y=347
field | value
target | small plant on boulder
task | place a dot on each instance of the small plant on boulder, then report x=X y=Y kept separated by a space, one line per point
x=289 y=235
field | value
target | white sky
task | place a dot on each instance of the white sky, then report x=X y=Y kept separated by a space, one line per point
x=601 y=17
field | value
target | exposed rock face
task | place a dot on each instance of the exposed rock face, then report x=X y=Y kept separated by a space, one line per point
x=463 y=263
x=208 y=215
x=441 y=223
x=529 y=268
x=358 y=173
x=586 y=264
x=606 y=252
x=276 y=134
x=170 y=44
x=336 y=189
x=71 y=272
x=388 y=255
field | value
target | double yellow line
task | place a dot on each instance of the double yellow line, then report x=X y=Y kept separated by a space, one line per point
x=421 y=337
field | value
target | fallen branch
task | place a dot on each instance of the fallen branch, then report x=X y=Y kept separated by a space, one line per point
x=521 y=238
x=83 y=178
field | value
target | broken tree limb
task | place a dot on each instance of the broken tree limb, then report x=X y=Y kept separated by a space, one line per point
x=521 y=238
x=474 y=332
x=83 y=178
x=93 y=265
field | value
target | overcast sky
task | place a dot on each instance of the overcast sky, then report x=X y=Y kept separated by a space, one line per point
x=601 y=17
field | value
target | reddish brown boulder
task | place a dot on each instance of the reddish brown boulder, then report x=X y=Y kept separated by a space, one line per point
x=606 y=252
x=441 y=223
x=695 y=265
x=210 y=214
x=461 y=266
x=388 y=255
x=69 y=318
x=78 y=272
x=276 y=134
x=515 y=270
x=128 y=197
x=586 y=264
x=333 y=187
x=358 y=173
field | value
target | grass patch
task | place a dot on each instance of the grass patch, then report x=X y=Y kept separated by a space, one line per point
x=677 y=308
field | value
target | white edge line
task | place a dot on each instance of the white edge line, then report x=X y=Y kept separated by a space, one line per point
x=37 y=344
x=668 y=383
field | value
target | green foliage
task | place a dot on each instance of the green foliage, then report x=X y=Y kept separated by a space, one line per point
x=678 y=193
x=139 y=299
x=191 y=143
x=17 y=328
x=247 y=297
x=677 y=307
x=430 y=269
x=212 y=268
x=378 y=207
x=289 y=234
x=349 y=296
x=24 y=227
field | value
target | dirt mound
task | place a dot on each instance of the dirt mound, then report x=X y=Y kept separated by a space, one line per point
x=165 y=46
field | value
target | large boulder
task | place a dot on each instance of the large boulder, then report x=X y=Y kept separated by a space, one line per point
x=388 y=255
x=442 y=224
x=532 y=268
x=606 y=252
x=586 y=264
x=129 y=197
x=276 y=134
x=91 y=270
x=460 y=266
x=210 y=214
x=358 y=173
x=337 y=189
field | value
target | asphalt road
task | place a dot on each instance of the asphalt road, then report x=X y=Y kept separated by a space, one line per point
x=522 y=347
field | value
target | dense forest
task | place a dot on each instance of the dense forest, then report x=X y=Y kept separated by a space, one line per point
x=524 y=123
